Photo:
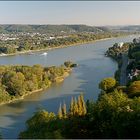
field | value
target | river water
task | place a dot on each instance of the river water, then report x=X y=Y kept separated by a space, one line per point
x=93 y=66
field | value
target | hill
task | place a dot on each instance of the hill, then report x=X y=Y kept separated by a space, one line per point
x=51 y=28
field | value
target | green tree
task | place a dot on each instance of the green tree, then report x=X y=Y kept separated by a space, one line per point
x=75 y=107
x=14 y=83
x=64 y=110
x=68 y=63
x=84 y=111
x=107 y=84
x=72 y=107
x=81 y=105
x=60 y=113
x=134 y=89
x=40 y=118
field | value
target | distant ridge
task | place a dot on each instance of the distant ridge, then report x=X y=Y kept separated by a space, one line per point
x=8 y=28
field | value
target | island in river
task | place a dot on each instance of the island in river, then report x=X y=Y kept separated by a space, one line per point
x=20 y=80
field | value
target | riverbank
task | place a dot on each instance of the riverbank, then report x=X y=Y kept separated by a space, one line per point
x=119 y=54
x=58 y=79
x=21 y=97
x=58 y=47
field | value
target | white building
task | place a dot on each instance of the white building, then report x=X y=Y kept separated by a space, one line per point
x=120 y=44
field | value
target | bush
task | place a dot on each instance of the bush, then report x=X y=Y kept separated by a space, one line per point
x=134 y=89
x=107 y=84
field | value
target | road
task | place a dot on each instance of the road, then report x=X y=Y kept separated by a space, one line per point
x=123 y=74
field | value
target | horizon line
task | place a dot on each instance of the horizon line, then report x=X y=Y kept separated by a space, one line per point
x=68 y=24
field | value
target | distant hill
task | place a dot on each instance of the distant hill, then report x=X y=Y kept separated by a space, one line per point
x=104 y=28
x=52 y=28
x=131 y=28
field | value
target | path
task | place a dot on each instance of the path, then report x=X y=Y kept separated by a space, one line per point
x=123 y=74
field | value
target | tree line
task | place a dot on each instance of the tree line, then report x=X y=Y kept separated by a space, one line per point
x=19 y=80
x=25 y=43
x=113 y=115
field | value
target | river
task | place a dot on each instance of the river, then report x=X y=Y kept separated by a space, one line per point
x=93 y=66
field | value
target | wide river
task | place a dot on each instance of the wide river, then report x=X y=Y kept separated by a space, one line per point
x=93 y=66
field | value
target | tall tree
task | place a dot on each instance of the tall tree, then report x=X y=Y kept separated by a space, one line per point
x=84 y=111
x=60 y=114
x=80 y=108
x=75 y=107
x=72 y=107
x=64 y=110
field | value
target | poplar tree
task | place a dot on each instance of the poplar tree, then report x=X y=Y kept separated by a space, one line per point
x=64 y=110
x=75 y=107
x=72 y=107
x=60 y=114
x=84 y=110
x=80 y=108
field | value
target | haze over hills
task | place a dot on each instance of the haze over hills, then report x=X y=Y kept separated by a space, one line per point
x=51 y=28
x=77 y=28
x=131 y=28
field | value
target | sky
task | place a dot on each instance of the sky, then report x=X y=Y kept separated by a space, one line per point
x=94 y=13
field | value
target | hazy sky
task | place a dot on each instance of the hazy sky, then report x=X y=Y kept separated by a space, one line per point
x=70 y=12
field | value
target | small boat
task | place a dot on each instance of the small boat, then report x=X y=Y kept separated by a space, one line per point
x=45 y=53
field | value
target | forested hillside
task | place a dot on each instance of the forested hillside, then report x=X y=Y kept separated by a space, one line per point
x=51 y=28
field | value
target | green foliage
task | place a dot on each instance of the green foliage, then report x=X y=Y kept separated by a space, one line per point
x=47 y=125
x=107 y=84
x=14 y=82
x=60 y=114
x=78 y=107
x=64 y=110
x=115 y=52
x=40 y=118
x=19 y=80
x=134 y=89
x=134 y=56
x=68 y=63
x=37 y=36
x=114 y=115
x=81 y=106
x=37 y=122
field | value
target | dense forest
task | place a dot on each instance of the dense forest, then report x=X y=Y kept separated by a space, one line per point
x=17 y=81
x=113 y=115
